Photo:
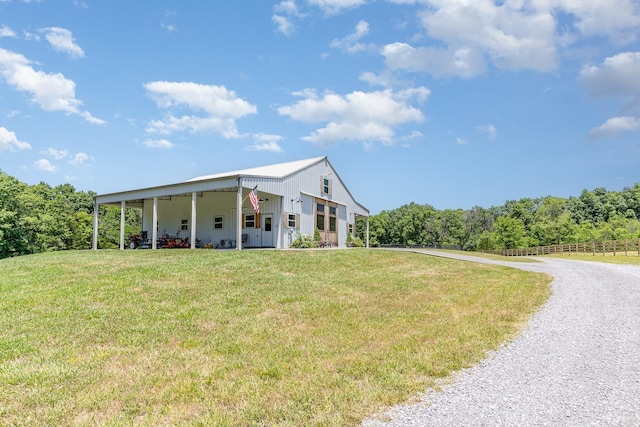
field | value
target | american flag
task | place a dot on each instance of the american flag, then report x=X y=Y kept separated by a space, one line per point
x=253 y=197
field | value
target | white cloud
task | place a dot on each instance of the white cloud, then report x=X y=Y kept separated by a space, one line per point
x=169 y=27
x=288 y=7
x=169 y=15
x=614 y=126
x=7 y=32
x=351 y=43
x=31 y=36
x=221 y=108
x=80 y=159
x=266 y=146
x=511 y=34
x=10 y=142
x=332 y=7
x=158 y=143
x=61 y=40
x=461 y=141
x=463 y=62
x=52 y=92
x=359 y=116
x=266 y=142
x=45 y=165
x=617 y=19
x=75 y=160
x=285 y=13
x=467 y=37
x=616 y=76
x=285 y=26
x=56 y=154
x=489 y=130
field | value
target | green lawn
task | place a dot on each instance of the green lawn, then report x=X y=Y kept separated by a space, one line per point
x=180 y=337
x=618 y=258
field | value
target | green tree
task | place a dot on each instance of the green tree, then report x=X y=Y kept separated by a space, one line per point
x=509 y=233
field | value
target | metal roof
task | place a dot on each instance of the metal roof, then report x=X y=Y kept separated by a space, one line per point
x=279 y=170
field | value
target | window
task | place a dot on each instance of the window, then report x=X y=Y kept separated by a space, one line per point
x=267 y=223
x=333 y=220
x=218 y=223
x=350 y=229
x=320 y=222
x=250 y=221
x=184 y=225
x=325 y=185
x=320 y=207
x=290 y=220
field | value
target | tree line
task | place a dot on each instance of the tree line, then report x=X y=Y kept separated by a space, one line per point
x=596 y=215
x=39 y=218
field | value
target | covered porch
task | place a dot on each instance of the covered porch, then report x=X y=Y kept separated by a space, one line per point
x=212 y=213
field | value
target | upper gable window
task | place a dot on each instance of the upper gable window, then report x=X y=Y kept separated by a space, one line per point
x=325 y=184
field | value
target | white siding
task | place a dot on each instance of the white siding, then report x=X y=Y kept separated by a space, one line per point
x=294 y=194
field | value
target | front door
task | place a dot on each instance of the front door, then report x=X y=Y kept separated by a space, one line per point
x=267 y=231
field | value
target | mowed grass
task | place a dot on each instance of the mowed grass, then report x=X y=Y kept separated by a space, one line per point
x=180 y=337
x=631 y=258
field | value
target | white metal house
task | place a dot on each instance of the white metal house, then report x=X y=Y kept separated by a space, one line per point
x=294 y=197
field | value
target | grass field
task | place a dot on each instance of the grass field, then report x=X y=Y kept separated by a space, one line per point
x=617 y=258
x=179 y=337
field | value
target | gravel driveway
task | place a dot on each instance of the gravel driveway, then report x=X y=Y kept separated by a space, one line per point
x=576 y=364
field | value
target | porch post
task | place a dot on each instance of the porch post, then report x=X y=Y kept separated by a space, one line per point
x=239 y=216
x=122 y=207
x=94 y=243
x=367 y=232
x=193 y=220
x=154 y=232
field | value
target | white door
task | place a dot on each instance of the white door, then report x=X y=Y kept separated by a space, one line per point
x=267 y=231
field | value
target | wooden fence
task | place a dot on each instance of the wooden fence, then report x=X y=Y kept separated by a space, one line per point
x=614 y=247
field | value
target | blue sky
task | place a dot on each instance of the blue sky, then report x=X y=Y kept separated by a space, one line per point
x=454 y=103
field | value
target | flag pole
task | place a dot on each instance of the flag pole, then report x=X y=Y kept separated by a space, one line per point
x=247 y=196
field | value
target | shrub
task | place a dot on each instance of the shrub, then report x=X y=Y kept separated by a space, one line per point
x=304 y=241
x=354 y=242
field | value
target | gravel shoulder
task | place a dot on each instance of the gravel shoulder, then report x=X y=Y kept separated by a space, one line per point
x=577 y=363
